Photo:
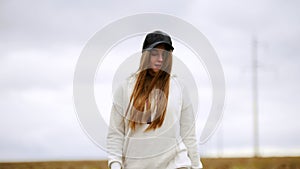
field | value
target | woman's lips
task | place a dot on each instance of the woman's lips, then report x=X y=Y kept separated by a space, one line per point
x=158 y=66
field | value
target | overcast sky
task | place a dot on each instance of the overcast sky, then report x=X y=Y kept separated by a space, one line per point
x=40 y=42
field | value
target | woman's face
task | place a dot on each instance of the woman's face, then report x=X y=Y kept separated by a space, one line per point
x=157 y=57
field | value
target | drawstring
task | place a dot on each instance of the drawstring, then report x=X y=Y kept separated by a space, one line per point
x=152 y=114
x=149 y=119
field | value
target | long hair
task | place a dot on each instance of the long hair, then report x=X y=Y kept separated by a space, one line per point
x=150 y=93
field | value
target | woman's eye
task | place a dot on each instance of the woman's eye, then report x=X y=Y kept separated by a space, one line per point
x=154 y=54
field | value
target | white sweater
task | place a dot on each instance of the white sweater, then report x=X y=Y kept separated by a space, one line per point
x=173 y=145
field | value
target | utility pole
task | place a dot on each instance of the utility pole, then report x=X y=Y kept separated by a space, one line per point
x=220 y=141
x=255 y=97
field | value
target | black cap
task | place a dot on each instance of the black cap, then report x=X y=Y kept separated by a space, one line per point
x=155 y=38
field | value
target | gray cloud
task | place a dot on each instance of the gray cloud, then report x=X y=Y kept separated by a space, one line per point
x=41 y=41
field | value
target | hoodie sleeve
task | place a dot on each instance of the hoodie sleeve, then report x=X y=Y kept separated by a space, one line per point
x=116 y=130
x=187 y=129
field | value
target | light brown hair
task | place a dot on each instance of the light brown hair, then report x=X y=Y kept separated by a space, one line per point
x=150 y=93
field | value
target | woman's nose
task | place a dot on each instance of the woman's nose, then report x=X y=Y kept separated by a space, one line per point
x=160 y=57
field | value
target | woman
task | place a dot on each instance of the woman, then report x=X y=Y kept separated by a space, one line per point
x=152 y=119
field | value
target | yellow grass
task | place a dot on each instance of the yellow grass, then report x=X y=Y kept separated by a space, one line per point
x=209 y=163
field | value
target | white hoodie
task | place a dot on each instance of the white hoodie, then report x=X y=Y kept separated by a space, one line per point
x=171 y=146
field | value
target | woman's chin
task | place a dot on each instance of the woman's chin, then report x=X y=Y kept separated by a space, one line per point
x=155 y=70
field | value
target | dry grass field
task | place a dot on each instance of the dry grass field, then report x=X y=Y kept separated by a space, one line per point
x=209 y=163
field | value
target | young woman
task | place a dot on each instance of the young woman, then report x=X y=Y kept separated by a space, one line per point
x=152 y=123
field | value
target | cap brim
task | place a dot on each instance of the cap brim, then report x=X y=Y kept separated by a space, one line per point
x=158 y=43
